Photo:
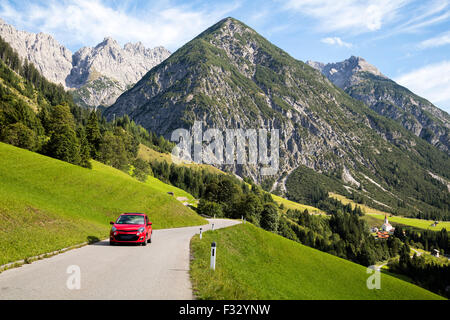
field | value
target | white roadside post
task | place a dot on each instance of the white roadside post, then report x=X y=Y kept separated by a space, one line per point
x=212 y=227
x=200 y=233
x=213 y=256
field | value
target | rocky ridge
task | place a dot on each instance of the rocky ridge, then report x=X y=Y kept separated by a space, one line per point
x=366 y=83
x=229 y=76
x=97 y=75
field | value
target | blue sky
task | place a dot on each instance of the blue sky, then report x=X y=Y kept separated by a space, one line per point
x=408 y=40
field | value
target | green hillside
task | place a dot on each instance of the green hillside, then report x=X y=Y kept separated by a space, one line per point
x=256 y=264
x=379 y=215
x=223 y=83
x=288 y=204
x=417 y=223
x=47 y=204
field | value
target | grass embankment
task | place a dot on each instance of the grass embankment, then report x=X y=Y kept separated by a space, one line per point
x=364 y=208
x=47 y=204
x=148 y=154
x=178 y=194
x=256 y=264
x=288 y=204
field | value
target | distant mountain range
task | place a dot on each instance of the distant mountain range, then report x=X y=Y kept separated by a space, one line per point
x=343 y=127
x=366 y=83
x=96 y=75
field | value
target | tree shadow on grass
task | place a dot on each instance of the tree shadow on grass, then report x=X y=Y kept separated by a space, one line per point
x=398 y=276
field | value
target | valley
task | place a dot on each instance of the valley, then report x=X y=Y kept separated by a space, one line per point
x=87 y=136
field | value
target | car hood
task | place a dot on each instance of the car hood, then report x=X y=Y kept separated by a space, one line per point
x=128 y=227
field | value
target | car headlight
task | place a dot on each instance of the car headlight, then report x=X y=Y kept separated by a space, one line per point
x=142 y=229
x=113 y=229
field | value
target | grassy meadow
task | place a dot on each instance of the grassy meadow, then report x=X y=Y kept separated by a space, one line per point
x=372 y=214
x=148 y=154
x=417 y=223
x=288 y=204
x=255 y=264
x=47 y=204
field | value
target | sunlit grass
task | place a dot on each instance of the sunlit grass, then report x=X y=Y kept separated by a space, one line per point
x=418 y=223
x=288 y=204
x=149 y=154
x=47 y=204
x=378 y=214
x=256 y=264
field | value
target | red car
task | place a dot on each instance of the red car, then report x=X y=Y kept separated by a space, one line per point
x=131 y=228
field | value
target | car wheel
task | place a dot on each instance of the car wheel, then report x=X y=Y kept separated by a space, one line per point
x=111 y=243
x=145 y=241
x=150 y=240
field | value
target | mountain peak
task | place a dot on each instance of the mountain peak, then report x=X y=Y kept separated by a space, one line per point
x=52 y=59
x=315 y=64
x=355 y=58
x=359 y=79
x=138 y=46
x=233 y=24
x=228 y=20
x=108 y=42
x=227 y=25
x=346 y=73
x=363 y=66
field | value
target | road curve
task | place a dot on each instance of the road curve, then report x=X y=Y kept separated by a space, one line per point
x=159 y=270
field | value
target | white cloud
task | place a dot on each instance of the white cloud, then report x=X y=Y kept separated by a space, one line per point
x=438 y=41
x=431 y=82
x=356 y=16
x=87 y=22
x=336 y=41
x=428 y=14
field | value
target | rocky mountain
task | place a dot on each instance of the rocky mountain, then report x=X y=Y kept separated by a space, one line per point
x=53 y=60
x=364 y=82
x=231 y=77
x=102 y=73
x=97 y=75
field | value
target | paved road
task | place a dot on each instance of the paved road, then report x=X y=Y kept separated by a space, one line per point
x=417 y=252
x=158 y=271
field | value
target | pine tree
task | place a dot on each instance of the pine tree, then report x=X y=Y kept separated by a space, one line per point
x=404 y=259
x=63 y=143
x=93 y=134
x=19 y=135
x=269 y=217
x=112 y=151
x=85 y=155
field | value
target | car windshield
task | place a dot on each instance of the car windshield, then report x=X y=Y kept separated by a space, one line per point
x=130 y=219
